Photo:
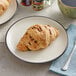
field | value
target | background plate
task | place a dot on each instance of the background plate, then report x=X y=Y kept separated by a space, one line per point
x=50 y=53
x=9 y=13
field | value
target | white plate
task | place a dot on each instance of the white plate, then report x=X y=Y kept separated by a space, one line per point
x=9 y=13
x=50 y=53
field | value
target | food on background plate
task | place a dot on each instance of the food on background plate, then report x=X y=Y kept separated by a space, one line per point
x=37 y=37
x=4 y=4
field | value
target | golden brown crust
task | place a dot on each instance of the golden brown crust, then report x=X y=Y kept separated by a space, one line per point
x=37 y=37
x=9 y=0
x=21 y=45
x=4 y=4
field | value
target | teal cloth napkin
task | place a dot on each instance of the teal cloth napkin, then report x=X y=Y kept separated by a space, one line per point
x=58 y=63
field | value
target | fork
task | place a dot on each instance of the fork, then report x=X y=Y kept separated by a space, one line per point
x=66 y=65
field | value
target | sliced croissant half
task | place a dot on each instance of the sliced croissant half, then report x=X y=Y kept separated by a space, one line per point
x=37 y=37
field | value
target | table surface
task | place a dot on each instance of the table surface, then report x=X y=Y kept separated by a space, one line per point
x=12 y=66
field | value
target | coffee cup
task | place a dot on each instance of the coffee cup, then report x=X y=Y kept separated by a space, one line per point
x=68 y=7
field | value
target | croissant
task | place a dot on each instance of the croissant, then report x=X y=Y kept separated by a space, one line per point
x=37 y=37
x=4 y=4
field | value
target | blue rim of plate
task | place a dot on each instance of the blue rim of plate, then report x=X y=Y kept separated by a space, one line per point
x=29 y=61
x=11 y=17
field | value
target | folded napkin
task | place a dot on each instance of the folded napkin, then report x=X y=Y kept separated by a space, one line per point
x=59 y=63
